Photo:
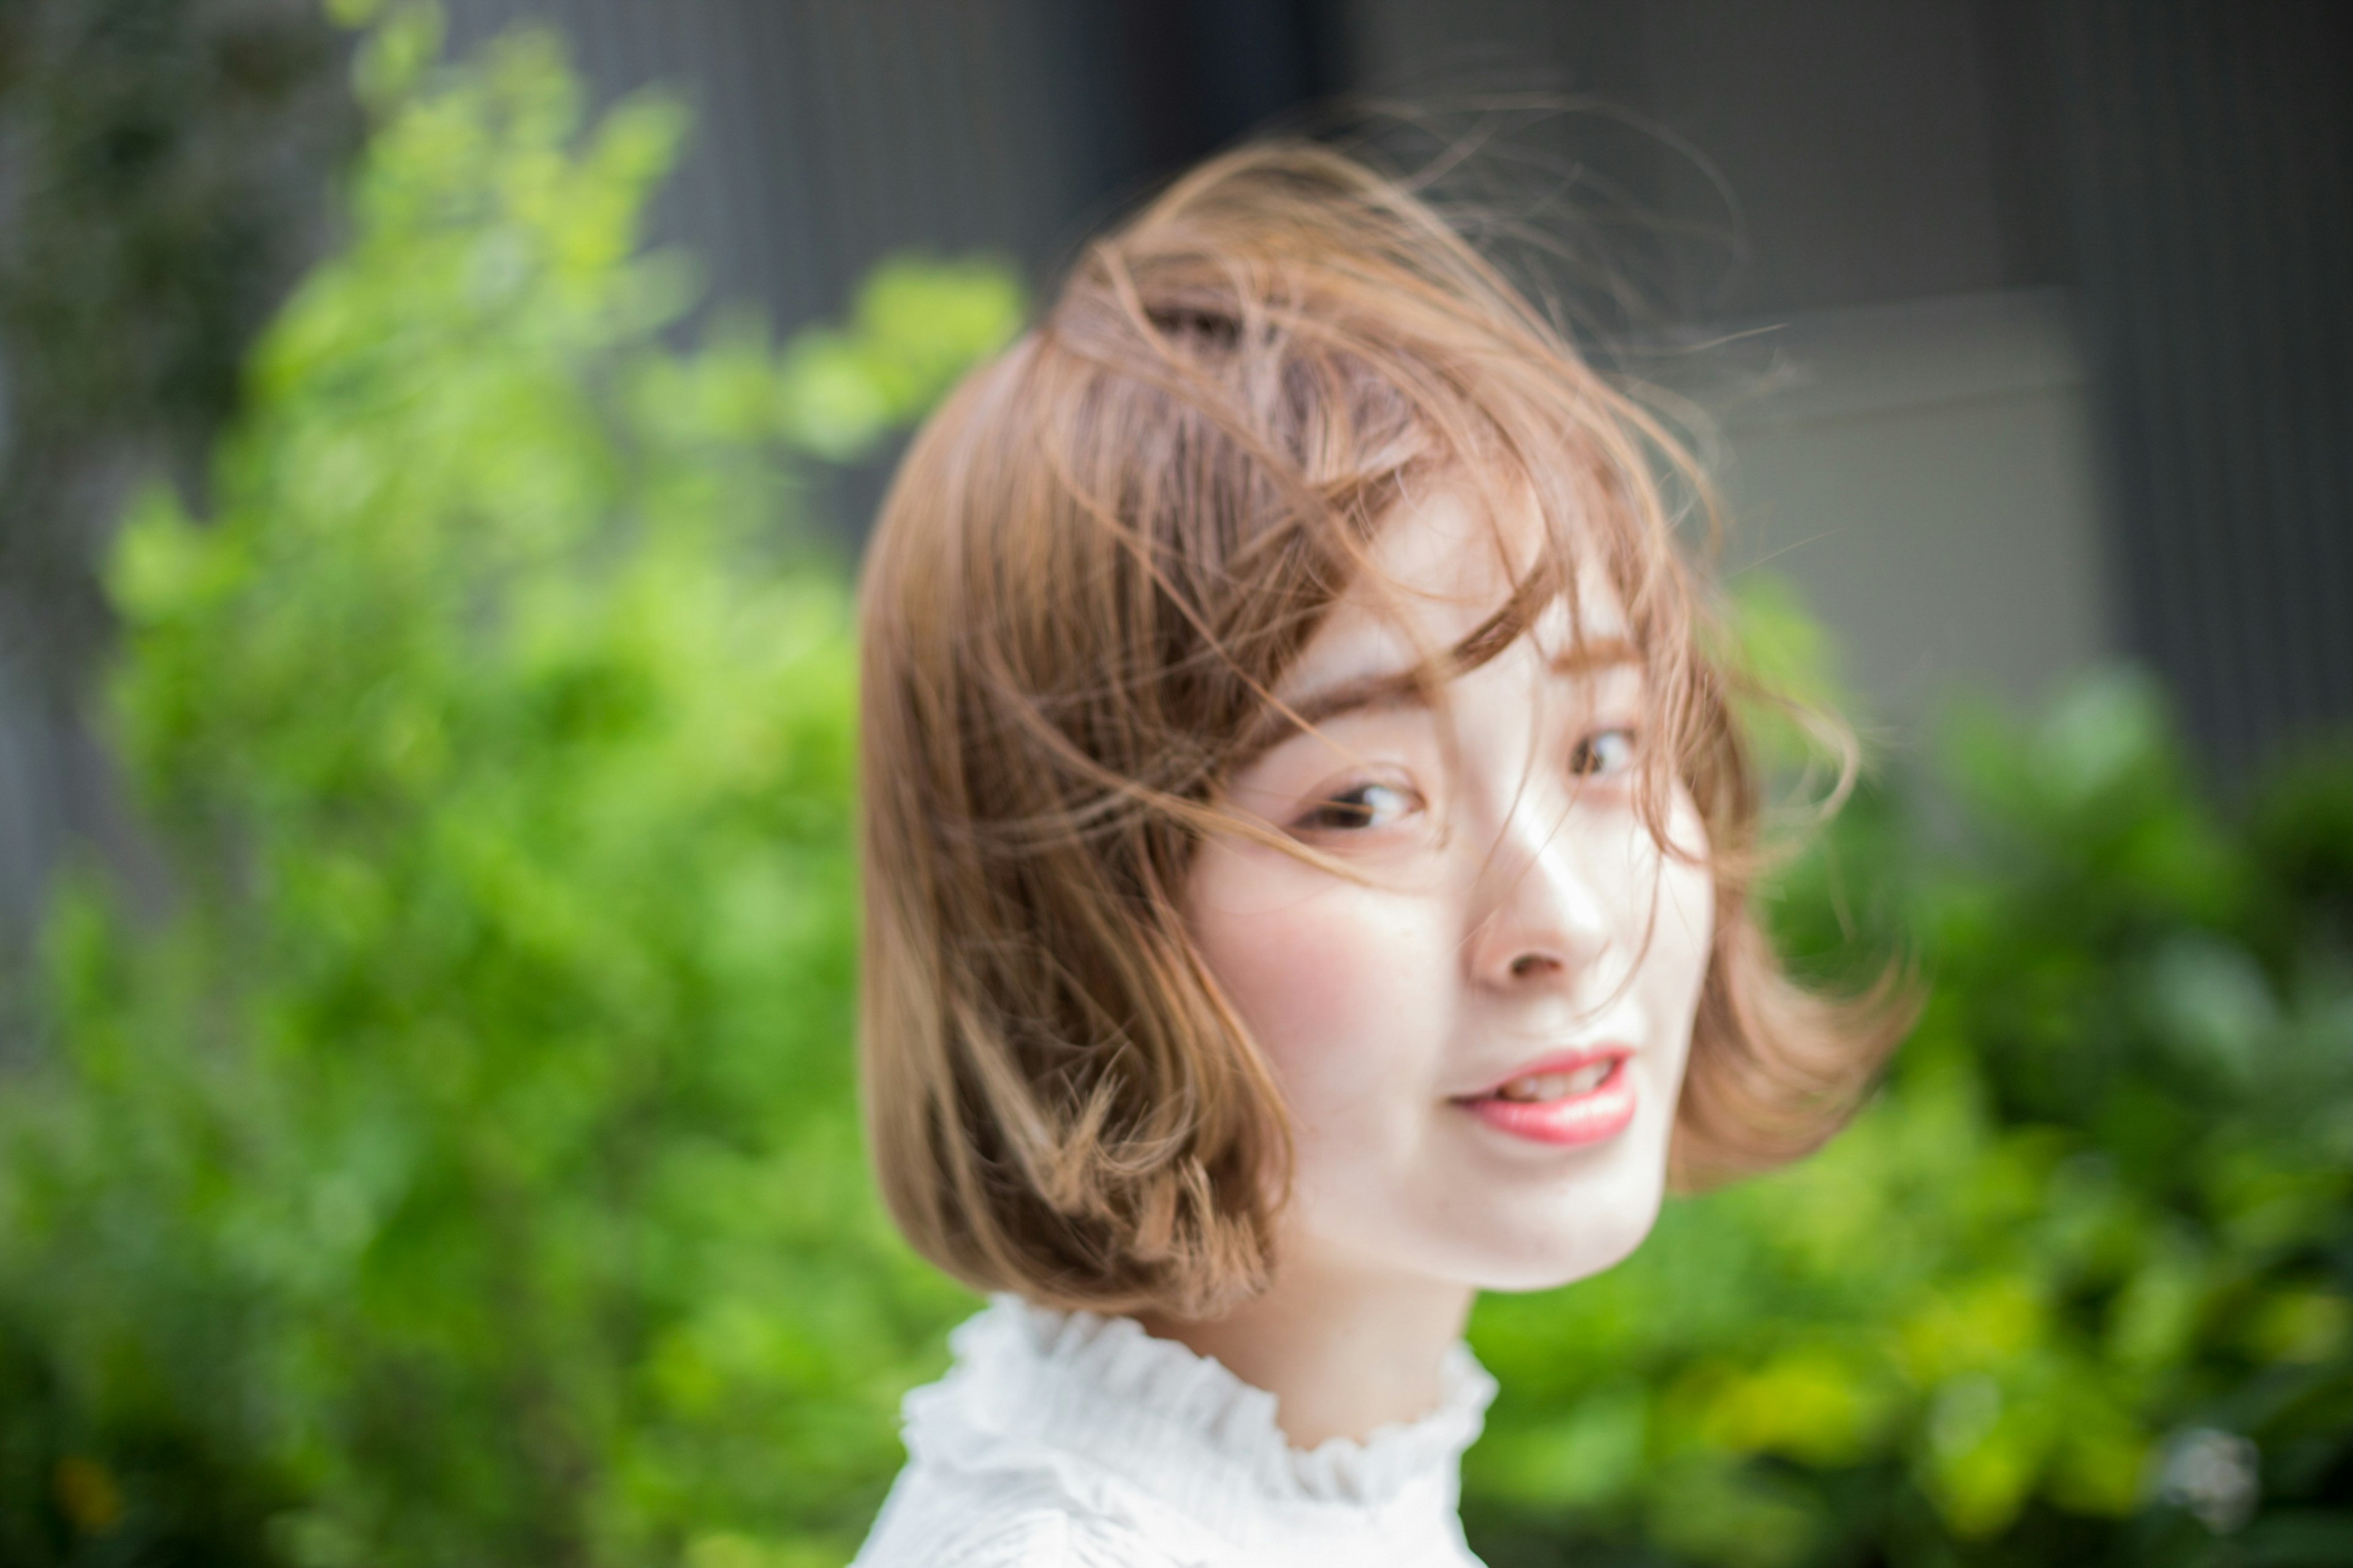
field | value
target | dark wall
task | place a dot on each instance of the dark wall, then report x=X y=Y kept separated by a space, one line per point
x=2210 y=162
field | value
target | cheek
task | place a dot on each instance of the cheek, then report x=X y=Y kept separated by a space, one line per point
x=1675 y=970
x=1334 y=980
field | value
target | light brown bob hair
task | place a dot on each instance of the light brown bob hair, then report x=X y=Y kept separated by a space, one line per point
x=1097 y=558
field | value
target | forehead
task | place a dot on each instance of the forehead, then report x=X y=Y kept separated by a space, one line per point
x=1441 y=563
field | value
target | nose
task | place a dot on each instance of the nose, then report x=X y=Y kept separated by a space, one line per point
x=1544 y=916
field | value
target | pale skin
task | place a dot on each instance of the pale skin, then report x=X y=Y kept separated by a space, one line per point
x=1513 y=909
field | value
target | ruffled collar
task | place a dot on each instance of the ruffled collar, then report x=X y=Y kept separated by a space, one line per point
x=1182 y=1423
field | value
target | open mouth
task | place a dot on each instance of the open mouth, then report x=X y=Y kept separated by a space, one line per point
x=1561 y=1102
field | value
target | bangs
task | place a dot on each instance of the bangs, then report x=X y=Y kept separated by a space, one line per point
x=1249 y=415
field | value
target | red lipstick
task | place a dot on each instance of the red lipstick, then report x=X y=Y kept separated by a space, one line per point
x=1566 y=1098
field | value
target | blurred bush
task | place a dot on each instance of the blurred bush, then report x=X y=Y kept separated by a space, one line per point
x=464 y=1170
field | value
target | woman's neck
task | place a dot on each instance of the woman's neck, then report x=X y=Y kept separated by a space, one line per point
x=1343 y=1351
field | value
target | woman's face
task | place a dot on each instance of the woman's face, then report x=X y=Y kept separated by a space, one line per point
x=1481 y=1044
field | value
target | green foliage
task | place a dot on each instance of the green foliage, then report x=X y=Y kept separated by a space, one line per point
x=465 y=1171
x=2092 y=1240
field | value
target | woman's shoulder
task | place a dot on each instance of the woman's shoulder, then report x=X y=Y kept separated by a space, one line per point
x=1015 y=1533
x=1003 y=1473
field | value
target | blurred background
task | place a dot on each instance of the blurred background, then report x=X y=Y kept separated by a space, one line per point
x=434 y=446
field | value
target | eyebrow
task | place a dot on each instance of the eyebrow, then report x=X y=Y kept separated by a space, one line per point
x=1400 y=689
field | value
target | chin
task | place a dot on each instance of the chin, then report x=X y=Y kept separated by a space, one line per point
x=1585 y=1233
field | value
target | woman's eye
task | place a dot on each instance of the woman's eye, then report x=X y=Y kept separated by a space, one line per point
x=1605 y=753
x=1366 y=805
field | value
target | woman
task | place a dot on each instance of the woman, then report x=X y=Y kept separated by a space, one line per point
x=1305 y=837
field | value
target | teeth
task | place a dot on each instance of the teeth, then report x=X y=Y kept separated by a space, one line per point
x=1556 y=1085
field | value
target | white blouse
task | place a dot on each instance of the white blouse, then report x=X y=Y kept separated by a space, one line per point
x=1068 y=1440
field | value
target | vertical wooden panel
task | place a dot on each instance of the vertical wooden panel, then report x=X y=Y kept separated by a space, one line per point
x=2210 y=169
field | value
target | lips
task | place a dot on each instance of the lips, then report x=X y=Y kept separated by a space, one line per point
x=1566 y=1098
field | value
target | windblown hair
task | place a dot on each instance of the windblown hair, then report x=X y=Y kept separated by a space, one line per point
x=1097 y=560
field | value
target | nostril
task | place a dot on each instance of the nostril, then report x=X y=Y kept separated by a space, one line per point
x=1527 y=964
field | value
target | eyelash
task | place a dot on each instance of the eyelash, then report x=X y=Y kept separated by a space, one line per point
x=1584 y=748
x=1354 y=815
